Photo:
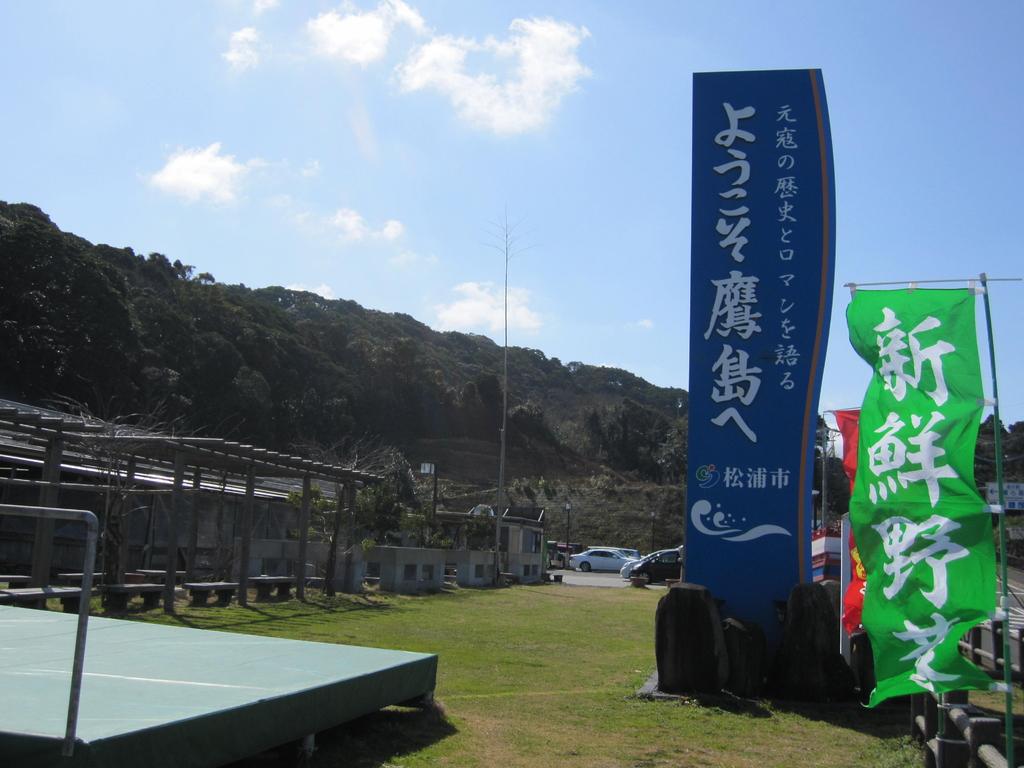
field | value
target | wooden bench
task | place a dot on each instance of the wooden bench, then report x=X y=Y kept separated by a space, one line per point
x=200 y=591
x=15 y=580
x=159 y=576
x=266 y=584
x=36 y=597
x=76 y=578
x=116 y=596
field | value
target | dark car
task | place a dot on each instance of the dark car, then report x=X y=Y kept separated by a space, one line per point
x=659 y=566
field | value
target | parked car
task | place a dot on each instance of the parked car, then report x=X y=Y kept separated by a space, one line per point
x=657 y=566
x=599 y=560
x=633 y=553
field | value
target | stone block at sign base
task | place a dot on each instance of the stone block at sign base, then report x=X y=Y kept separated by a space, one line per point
x=863 y=663
x=808 y=665
x=748 y=662
x=688 y=642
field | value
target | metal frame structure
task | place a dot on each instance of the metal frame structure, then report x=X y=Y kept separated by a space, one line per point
x=91 y=534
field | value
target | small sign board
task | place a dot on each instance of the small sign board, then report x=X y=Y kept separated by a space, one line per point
x=1013 y=495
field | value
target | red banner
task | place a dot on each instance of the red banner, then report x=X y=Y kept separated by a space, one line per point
x=853 y=600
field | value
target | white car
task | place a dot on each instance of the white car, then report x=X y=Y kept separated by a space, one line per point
x=633 y=553
x=599 y=560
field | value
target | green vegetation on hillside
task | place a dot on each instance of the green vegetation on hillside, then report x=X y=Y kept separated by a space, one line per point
x=124 y=333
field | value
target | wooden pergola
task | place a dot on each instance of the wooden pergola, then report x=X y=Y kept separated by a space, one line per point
x=57 y=439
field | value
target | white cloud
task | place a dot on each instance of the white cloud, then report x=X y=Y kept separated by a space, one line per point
x=260 y=6
x=546 y=70
x=323 y=289
x=646 y=323
x=196 y=174
x=311 y=169
x=392 y=229
x=242 y=53
x=352 y=226
x=350 y=223
x=361 y=38
x=481 y=306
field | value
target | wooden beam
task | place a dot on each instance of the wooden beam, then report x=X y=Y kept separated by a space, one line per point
x=126 y=521
x=193 y=527
x=300 y=565
x=247 y=522
x=171 y=575
x=49 y=494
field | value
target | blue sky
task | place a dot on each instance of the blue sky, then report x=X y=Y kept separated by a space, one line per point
x=364 y=149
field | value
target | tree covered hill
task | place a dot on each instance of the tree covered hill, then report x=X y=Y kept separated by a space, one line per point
x=124 y=333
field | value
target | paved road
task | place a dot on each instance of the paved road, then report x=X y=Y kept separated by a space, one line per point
x=613 y=580
x=592 y=579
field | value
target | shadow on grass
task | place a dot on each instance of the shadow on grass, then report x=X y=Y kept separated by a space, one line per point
x=371 y=741
x=293 y=611
x=889 y=719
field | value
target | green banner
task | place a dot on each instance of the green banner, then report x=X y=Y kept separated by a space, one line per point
x=922 y=529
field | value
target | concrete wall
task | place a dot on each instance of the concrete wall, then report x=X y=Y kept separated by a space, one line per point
x=407 y=569
x=275 y=557
x=527 y=566
x=473 y=569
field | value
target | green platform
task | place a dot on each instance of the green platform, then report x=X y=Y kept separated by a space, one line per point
x=168 y=696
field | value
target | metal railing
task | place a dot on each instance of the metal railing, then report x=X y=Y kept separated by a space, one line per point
x=91 y=534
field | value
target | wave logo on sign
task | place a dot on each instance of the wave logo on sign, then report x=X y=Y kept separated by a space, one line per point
x=708 y=476
x=712 y=521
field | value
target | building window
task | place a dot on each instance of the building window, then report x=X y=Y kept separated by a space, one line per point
x=373 y=570
x=478 y=571
x=409 y=574
x=428 y=572
x=526 y=570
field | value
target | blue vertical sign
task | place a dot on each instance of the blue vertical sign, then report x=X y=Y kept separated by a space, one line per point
x=761 y=274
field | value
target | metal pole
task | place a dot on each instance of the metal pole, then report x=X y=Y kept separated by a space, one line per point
x=568 y=534
x=824 y=472
x=565 y=555
x=1004 y=603
x=78 y=665
x=504 y=420
x=844 y=581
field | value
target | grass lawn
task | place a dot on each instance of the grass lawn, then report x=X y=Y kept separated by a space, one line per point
x=544 y=676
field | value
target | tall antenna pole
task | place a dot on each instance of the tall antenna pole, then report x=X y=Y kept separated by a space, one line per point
x=504 y=417
x=1004 y=600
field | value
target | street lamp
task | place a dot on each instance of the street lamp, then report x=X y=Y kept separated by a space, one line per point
x=568 y=530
